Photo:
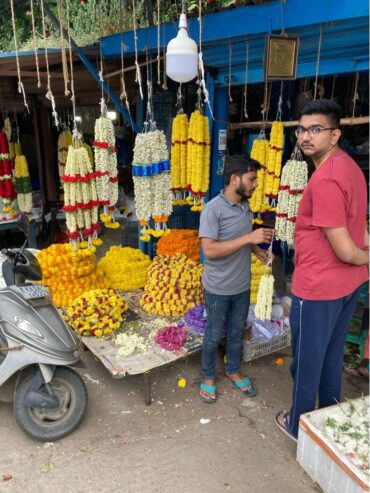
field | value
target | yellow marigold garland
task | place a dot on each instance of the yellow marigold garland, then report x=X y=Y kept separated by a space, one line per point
x=97 y=312
x=257 y=202
x=258 y=269
x=274 y=158
x=179 y=158
x=64 y=141
x=124 y=268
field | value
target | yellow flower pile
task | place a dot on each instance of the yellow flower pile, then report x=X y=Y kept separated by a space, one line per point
x=274 y=157
x=198 y=160
x=258 y=270
x=173 y=286
x=124 y=268
x=97 y=313
x=179 y=143
x=69 y=273
x=259 y=152
x=184 y=241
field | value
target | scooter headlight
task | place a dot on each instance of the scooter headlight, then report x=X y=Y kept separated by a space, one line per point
x=27 y=327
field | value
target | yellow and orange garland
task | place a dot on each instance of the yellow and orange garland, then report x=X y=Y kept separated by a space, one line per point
x=179 y=152
x=274 y=158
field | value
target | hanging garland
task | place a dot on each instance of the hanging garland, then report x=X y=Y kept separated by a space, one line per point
x=80 y=197
x=293 y=182
x=64 y=141
x=106 y=168
x=274 y=158
x=179 y=145
x=7 y=188
x=198 y=160
x=23 y=184
x=259 y=152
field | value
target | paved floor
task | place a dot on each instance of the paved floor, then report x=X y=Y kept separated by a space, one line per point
x=122 y=445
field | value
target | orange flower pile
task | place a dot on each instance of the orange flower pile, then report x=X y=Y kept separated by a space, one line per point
x=184 y=241
x=69 y=273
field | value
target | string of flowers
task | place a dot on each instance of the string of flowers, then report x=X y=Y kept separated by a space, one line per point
x=263 y=308
x=293 y=182
x=106 y=168
x=198 y=160
x=23 y=184
x=274 y=157
x=64 y=141
x=7 y=188
x=258 y=269
x=258 y=203
x=179 y=147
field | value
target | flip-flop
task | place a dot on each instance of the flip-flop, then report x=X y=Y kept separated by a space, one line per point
x=239 y=384
x=285 y=426
x=210 y=389
x=356 y=372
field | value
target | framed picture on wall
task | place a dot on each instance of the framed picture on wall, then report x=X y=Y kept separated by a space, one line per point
x=281 y=56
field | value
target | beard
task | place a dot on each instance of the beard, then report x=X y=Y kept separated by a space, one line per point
x=243 y=193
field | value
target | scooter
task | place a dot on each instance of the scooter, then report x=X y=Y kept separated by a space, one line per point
x=37 y=349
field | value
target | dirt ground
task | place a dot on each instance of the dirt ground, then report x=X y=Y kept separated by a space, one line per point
x=178 y=444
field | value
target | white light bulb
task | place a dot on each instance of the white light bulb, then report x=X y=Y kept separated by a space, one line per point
x=182 y=55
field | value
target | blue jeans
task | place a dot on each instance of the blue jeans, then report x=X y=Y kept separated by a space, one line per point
x=319 y=330
x=221 y=308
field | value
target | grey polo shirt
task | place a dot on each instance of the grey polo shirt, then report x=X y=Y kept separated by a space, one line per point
x=224 y=220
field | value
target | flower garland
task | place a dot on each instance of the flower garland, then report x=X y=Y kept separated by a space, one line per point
x=69 y=273
x=274 y=157
x=80 y=196
x=106 y=169
x=171 y=338
x=198 y=160
x=184 y=241
x=173 y=285
x=264 y=297
x=23 y=184
x=64 y=141
x=152 y=183
x=258 y=203
x=293 y=182
x=124 y=268
x=7 y=188
x=258 y=269
x=97 y=312
x=179 y=146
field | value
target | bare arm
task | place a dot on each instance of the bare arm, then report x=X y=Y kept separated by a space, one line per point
x=345 y=248
x=216 y=249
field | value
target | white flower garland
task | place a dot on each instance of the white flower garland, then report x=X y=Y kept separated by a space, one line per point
x=264 y=297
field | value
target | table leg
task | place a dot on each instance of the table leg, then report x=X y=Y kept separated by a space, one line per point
x=147 y=388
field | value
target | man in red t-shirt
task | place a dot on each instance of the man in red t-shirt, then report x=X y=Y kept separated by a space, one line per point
x=331 y=262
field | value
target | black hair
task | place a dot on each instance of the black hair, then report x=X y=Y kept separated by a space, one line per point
x=323 y=107
x=238 y=165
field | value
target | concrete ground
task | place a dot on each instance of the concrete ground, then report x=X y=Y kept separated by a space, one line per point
x=178 y=444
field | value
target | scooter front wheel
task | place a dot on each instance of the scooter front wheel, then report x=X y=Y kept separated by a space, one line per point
x=52 y=423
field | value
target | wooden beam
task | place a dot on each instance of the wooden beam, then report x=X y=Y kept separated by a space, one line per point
x=28 y=73
x=358 y=120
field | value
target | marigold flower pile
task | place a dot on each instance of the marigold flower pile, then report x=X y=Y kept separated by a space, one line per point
x=69 y=273
x=124 y=268
x=184 y=241
x=97 y=312
x=173 y=286
x=258 y=270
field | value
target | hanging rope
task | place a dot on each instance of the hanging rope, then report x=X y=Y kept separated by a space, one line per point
x=333 y=87
x=201 y=64
x=264 y=110
x=63 y=48
x=280 y=103
x=49 y=95
x=75 y=134
x=123 y=96
x=318 y=63
x=101 y=80
x=138 y=72
x=159 y=42
x=355 y=94
x=282 y=33
x=164 y=85
x=20 y=83
x=245 y=93
x=35 y=45
x=149 y=84
x=230 y=55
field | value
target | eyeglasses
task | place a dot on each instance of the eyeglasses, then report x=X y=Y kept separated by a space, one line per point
x=313 y=131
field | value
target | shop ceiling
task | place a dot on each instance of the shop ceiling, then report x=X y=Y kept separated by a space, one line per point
x=344 y=46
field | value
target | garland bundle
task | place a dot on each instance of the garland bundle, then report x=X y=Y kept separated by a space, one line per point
x=64 y=141
x=259 y=152
x=152 y=182
x=23 y=184
x=258 y=269
x=274 y=157
x=7 y=188
x=80 y=197
x=106 y=169
x=198 y=160
x=293 y=182
x=264 y=297
x=184 y=241
x=179 y=146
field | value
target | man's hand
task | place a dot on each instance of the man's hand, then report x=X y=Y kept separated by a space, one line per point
x=262 y=255
x=261 y=235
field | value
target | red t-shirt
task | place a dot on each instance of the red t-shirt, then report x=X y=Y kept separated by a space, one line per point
x=335 y=197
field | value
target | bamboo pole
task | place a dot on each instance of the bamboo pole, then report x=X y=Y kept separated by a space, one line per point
x=358 y=120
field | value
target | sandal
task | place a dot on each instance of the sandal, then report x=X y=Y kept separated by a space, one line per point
x=250 y=391
x=209 y=389
x=284 y=426
x=362 y=371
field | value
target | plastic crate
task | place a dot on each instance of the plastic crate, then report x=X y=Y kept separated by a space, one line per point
x=322 y=461
x=257 y=349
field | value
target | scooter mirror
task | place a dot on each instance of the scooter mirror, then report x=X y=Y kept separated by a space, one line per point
x=23 y=223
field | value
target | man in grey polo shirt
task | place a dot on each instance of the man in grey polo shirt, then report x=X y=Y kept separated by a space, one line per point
x=227 y=242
